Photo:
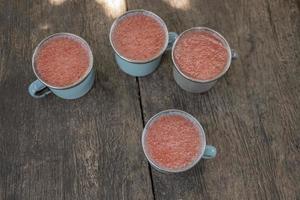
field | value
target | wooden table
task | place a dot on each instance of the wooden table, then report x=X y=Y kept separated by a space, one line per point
x=90 y=148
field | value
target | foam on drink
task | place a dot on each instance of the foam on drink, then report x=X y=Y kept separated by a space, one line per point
x=62 y=60
x=200 y=55
x=139 y=36
x=173 y=142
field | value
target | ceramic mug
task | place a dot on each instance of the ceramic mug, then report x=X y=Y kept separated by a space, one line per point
x=135 y=67
x=199 y=86
x=206 y=151
x=40 y=89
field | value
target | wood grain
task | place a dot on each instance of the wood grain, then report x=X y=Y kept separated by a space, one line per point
x=90 y=148
x=57 y=149
x=251 y=115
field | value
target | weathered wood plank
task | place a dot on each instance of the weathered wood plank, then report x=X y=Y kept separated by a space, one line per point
x=251 y=115
x=57 y=149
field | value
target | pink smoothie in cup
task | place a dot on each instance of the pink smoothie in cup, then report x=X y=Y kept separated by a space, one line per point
x=139 y=37
x=200 y=55
x=62 y=61
x=173 y=142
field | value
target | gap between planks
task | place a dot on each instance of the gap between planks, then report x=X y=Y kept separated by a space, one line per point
x=144 y=123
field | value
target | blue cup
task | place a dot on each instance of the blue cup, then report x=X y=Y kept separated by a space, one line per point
x=138 y=68
x=206 y=151
x=40 y=89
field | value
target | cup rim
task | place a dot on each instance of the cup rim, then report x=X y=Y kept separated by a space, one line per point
x=91 y=59
x=117 y=20
x=188 y=116
x=226 y=46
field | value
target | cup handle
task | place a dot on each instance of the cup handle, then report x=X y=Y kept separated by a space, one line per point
x=234 y=54
x=209 y=152
x=172 y=38
x=37 y=86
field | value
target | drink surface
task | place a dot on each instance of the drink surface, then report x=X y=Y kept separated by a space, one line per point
x=200 y=55
x=139 y=37
x=62 y=61
x=173 y=142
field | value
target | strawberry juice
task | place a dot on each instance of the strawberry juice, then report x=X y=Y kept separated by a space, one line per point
x=139 y=37
x=200 y=55
x=62 y=61
x=173 y=142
